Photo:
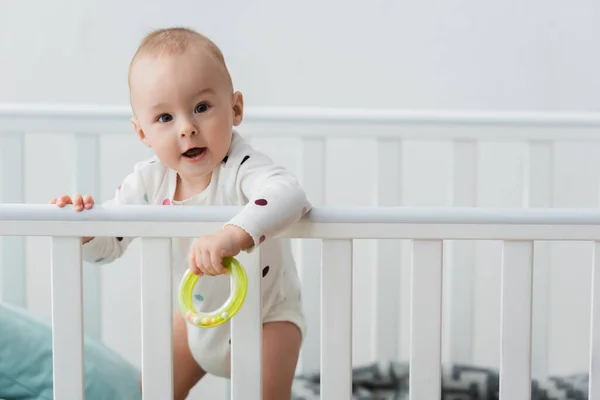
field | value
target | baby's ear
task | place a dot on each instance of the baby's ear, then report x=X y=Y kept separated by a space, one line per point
x=139 y=131
x=238 y=108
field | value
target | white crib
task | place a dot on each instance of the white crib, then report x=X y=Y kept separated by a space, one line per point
x=342 y=233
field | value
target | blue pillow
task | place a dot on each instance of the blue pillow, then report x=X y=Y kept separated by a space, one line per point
x=26 y=363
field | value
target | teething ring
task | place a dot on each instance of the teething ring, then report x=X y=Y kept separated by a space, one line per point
x=224 y=313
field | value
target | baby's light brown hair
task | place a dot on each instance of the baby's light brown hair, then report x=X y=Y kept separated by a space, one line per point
x=177 y=40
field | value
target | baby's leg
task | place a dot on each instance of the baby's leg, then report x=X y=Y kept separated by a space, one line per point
x=281 y=348
x=186 y=371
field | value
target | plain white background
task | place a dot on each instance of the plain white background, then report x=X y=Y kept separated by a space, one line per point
x=463 y=54
x=435 y=54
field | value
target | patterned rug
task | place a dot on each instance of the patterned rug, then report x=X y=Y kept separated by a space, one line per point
x=459 y=382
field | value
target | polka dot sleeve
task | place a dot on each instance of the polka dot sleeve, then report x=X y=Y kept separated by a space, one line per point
x=275 y=199
x=104 y=250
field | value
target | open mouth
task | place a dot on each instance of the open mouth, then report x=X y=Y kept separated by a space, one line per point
x=194 y=152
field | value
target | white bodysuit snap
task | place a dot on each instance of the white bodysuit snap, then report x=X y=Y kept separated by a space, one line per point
x=272 y=200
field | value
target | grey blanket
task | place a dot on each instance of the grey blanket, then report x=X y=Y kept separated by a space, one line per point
x=459 y=382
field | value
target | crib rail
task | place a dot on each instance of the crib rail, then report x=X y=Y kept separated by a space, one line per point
x=319 y=122
x=391 y=130
x=336 y=228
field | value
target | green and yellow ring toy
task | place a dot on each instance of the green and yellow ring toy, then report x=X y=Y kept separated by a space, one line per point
x=224 y=313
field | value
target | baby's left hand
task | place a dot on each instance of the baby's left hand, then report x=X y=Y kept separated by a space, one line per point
x=207 y=252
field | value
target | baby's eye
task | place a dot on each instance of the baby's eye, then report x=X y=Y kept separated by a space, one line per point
x=165 y=118
x=202 y=107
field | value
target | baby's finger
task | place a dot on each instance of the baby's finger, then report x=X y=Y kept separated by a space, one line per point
x=192 y=264
x=216 y=260
x=88 y=201
x=207 y=264
x=63 y=200
x=198 y=261
x=195 y=270
x=201 y=263
x=78 y=202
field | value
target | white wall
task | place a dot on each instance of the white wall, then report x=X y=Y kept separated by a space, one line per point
x=531 y=54
x=460 y=54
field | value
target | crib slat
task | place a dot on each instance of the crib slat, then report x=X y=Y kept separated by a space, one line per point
x=462 y=256
x=336 y=320
x=515 y=359
x=541 y=313
x=426 y=320
x=157 y=319
x=386 y=318
x=87 y=177
x=594 y=362
x=67 y=318
x=539 y=189
x=246 y=335
x=12 y=256
x=312 y=178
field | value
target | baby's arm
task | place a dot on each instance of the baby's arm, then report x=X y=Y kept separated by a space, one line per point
x=275 y=198
x=273 y=201
x=272 y=198
x=104 y=250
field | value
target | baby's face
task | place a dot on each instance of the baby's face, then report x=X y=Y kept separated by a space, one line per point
x=185 y=109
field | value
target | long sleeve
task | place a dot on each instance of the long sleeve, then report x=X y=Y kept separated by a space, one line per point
x=275 y=199
x=104 y=250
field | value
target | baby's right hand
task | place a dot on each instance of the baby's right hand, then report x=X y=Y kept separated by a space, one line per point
x=79 y=202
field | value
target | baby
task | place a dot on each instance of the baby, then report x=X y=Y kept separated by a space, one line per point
x=185 y=108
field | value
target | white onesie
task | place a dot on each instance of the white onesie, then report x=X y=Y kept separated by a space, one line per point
x=272 y=200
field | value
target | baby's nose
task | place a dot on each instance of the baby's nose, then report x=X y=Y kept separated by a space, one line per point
x=188 y=131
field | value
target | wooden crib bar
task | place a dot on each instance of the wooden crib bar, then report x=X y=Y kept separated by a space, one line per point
x=594 y=365
x=336 y=320
x=157 y=319
x=246 y=335
x=515 y=356
x=426 y=320
x=67 y=318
